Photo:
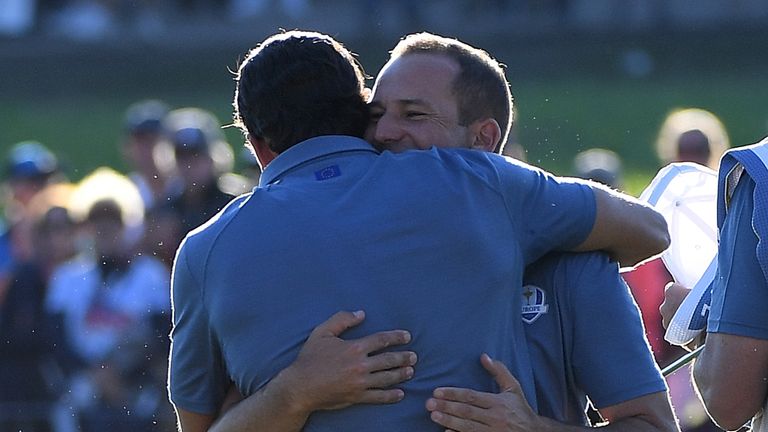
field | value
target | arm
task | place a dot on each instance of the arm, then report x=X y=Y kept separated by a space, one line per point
x=329 y=373
x=464 y=410
x=732 y=370
x=731 y=376
x=628 y=229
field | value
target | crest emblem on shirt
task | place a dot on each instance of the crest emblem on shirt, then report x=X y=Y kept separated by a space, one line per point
x=534 y=303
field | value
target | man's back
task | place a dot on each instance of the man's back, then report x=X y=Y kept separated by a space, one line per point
x=424 y=241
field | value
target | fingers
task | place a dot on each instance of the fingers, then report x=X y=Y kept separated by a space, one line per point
x=674 y=294
x=457 y=409
x=501 y=374
x=381 y=340
x=456 y=424
x=388 y=378
x=376 y=396
x=390 y=360
x=467 y=396
x=338 y=323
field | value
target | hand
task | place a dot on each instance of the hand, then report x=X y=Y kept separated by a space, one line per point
x=464 y=410
x=331 y=373
x=674 y=294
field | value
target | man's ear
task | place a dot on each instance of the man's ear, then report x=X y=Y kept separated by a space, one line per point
x=261 y=149
x=486 y=134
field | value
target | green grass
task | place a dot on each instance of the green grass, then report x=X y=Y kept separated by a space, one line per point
x=557 y=118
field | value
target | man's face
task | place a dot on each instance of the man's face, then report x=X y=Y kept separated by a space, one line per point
x=413 y=107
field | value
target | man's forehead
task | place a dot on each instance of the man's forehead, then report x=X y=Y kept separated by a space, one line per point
x=407 y=77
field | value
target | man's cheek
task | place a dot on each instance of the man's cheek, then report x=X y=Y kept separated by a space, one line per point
x=370 y=132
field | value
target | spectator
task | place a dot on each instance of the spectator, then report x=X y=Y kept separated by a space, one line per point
x=201 y=156
x=112 y=306
x=30 y=168
x=143 y=131
x=600 y=165
x=30 y=379
x=678 y=141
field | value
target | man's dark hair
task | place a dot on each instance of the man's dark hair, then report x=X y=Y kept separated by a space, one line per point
x=298 y=85
x=481 y=89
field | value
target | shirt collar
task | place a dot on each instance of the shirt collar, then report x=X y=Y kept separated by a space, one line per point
x=308 y=150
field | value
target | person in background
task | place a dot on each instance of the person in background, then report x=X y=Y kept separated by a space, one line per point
x=600 y=165
x=30 y=167
x=143 y=132
x=692 y=135
x=112 y=306
x=31 y=380
x=731 y=372
x=201 y=156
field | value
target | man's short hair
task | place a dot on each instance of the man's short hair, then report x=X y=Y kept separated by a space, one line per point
x=298 y=85
x=481 y=89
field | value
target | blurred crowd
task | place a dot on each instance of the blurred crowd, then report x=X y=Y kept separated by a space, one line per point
x=85 y=271
x=85 y=267
x=93 y=20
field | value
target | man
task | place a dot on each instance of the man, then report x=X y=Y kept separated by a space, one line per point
x=424 y=245
x=731 y=373
x=431 y=82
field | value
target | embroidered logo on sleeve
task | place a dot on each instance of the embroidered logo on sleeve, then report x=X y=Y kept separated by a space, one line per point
x=328 y=173
x=534 y=303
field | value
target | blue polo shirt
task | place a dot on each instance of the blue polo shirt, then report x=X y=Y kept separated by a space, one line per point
x=433 y=242
x=585 y=336
x=740 y=290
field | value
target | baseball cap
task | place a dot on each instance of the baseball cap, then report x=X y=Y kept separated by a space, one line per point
x=30 y=160
x=190 y=139
x=145 y=116
x=192 y=129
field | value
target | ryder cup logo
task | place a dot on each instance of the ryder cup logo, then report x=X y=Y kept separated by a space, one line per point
x=533 y=303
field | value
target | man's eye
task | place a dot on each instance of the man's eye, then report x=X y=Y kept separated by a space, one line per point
x=375 y=117
x=414 y=115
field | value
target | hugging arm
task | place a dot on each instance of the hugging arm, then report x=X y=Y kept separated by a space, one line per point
x=329 y=373
x=629 y=230
x=464 y=410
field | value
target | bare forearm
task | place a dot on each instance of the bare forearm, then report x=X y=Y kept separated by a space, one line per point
x=725 y=360
x=271 y=409
x=629 y=230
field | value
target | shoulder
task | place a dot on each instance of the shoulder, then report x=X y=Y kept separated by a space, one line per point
x=211 y=229
x=198 y=243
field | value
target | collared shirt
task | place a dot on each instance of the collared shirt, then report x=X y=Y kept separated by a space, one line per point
x=572 y=305
x=433 y=242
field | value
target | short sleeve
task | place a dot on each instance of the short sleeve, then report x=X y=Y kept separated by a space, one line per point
x=612 y=361
x=740 y=291
x=551 y=213
x=197 y=379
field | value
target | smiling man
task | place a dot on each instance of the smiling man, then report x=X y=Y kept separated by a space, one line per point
x=439 y=91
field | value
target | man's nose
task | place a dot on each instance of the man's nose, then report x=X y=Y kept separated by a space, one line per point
x=387 y=130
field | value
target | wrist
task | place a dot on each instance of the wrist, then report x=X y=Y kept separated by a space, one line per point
x=285 y=388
